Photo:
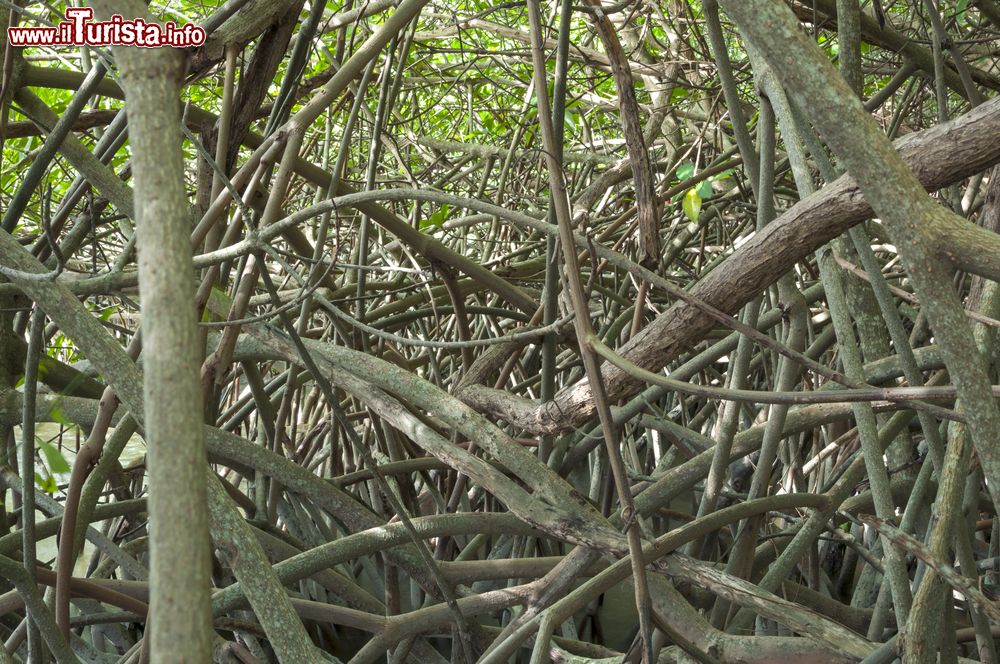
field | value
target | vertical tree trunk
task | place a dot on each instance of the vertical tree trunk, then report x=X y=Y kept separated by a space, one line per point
x=180 y=618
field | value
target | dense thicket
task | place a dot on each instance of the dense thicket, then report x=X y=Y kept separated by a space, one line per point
x=402 y=330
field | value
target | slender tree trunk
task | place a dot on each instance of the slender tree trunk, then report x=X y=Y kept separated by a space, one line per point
x=180 y=617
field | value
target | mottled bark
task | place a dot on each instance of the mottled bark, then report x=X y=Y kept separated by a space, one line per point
x=180 y=628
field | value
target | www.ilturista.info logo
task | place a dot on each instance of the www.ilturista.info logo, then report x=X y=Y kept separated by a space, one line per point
x=80 y=30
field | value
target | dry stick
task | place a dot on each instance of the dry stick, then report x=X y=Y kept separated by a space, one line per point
x=28 y=548
x=222 y=138
x=642 y=172
x=71 y=540
x=374 y=150
x=585 y=335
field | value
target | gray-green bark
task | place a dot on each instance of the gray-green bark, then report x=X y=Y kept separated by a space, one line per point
x=178 y=504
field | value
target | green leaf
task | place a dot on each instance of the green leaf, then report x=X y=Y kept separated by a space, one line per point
x=705 y=188
x=692 y=204
x=46 y=484
x=54 y=459
x=59 y=417
x=436 y=219
x=685 y=170
x=568 y=120
x=960 y=8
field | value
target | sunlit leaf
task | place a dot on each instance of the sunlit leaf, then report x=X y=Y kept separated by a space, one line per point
x=46 y=484
x=692 y=204
x=54 y=459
